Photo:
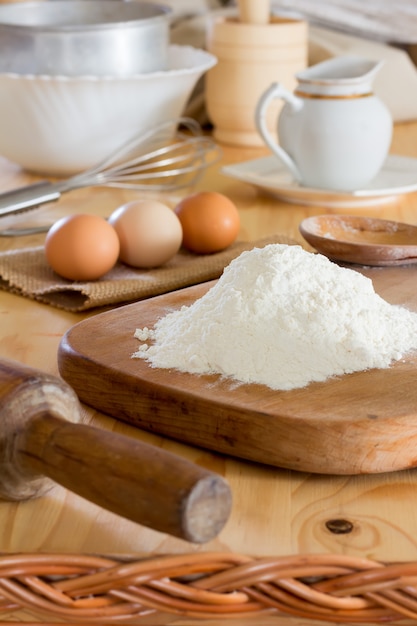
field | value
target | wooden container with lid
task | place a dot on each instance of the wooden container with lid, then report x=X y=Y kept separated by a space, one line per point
x=251 y=55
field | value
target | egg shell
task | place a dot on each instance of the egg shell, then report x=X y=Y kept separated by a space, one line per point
x=81 y=247
x=210 y=222
x=149 y=232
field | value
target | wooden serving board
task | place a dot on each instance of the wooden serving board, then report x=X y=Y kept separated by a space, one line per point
x=364 y=422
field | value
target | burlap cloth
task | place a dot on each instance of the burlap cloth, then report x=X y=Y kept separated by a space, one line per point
x=26 y=272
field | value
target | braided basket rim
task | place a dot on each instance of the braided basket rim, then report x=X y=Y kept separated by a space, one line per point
x=75 y=588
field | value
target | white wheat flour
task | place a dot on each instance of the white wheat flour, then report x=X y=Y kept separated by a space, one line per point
x=283 y=317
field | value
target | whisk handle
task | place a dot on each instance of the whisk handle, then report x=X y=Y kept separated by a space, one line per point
x=28 y=197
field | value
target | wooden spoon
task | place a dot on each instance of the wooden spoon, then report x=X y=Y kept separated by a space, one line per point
x=361 y=240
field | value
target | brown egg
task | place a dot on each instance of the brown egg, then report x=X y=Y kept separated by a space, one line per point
x=81 y=247
x=149 y=232
x=210 y=222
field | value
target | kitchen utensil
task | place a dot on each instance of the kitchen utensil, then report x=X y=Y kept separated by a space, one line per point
x=254 y=12
x=152 y=161
x=398 y=176
x=63 y=125
x=139 y=481
x=360 y=423
x=23 y=231
x=363 y=240
x=334 y=133
x=250 y=57
x=83 y=37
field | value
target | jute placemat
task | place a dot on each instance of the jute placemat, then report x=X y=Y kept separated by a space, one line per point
x=27 y=273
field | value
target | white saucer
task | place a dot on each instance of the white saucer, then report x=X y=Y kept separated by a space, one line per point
x=398 y=176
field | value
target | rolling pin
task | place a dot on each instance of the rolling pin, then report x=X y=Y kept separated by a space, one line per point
x=41 y=441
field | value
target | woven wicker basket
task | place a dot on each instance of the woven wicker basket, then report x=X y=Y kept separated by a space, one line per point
x=74 y=588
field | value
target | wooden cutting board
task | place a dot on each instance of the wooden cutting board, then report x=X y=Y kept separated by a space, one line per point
x=359 y=423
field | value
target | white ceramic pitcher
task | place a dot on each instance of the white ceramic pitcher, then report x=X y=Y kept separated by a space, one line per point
x=334 y=132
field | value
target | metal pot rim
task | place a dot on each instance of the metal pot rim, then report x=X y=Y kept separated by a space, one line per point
x=153 y=13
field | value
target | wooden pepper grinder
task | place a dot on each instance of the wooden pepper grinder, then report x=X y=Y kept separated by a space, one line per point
x=253 y=51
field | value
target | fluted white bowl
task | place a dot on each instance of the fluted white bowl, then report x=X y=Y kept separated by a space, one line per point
x=59 y=126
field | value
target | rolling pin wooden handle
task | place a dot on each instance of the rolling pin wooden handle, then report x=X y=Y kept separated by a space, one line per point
x=138 y=481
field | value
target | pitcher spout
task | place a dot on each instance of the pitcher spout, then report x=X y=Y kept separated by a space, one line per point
x=344 y=75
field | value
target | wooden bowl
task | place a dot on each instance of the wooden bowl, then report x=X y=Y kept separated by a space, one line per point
x=361 y=240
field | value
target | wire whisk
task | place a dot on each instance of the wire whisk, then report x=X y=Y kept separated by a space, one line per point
x=168 y=157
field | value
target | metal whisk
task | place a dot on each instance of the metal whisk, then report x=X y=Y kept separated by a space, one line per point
x=170 y=156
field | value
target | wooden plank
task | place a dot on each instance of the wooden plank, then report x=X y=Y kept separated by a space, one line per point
x=383 y=20
x=354 y=424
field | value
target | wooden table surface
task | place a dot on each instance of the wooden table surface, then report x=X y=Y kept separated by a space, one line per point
x=275 y=512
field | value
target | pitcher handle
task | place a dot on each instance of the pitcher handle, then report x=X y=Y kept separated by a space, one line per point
x=276 y=90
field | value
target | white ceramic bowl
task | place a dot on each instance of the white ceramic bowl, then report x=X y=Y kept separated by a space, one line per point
x=59 y=126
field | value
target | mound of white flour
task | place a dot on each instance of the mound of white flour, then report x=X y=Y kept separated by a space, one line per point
x=282 y=317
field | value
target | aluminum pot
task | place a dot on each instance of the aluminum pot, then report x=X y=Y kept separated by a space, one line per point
x=83 y=37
